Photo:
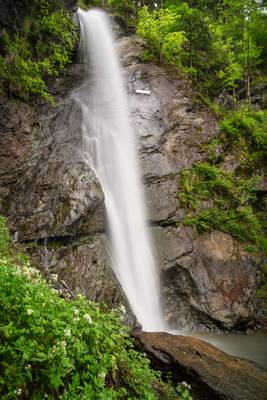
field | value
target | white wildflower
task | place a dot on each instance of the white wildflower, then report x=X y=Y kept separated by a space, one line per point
x=19 y=392
x=102 y=375
x=63 y=345
x=67 y=332
x=76 y=311
x=123 y=309
x=185 y=384
x=54 y=277
x=29 y=311
x=88 y=318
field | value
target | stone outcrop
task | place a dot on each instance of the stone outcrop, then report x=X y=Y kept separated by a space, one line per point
x=209 y=280
x=212 y=373
x=51 y=196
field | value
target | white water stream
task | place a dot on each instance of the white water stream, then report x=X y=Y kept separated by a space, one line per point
x=109 y=143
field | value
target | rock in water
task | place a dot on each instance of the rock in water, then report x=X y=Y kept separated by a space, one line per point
x=213 y=374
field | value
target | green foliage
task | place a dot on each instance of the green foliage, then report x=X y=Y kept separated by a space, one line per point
x=127 y=9
x=4 y=238
x=221 y=45
x=51 y=348
x=42 y=48
x=158 y=28
x=90 y=3
x=184 y=391
x=248 y=130
x=233 y=203
x=212 y=149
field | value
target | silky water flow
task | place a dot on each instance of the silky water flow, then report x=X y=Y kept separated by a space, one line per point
x=110 y=146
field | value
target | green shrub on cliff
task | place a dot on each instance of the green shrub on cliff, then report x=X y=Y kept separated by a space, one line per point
x=230 y=203
x=40 y=49
x=248 y=130
x=158 y=28
x=52 y=348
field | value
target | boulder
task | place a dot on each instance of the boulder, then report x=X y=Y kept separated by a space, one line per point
x=211 y=373
x=209 y=280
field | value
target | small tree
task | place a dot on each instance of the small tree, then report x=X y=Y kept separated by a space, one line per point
x=158 y=28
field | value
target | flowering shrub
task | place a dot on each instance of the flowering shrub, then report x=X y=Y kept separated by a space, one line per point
x=52 y=348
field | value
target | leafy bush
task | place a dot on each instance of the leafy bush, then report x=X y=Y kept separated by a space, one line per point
x=233 y=203
x=184 y=390
x=51 y=348
x=251 y=128
x=42 y=48
x=158 y=28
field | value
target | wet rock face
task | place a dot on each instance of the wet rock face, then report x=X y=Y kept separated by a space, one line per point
x=56 y=192
x=171 y=129
x=212 y=373
x=82 y=265
x=52 y=198
x=209 y=280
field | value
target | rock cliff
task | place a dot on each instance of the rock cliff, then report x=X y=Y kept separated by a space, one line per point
x=209 y=280
x=55 y=205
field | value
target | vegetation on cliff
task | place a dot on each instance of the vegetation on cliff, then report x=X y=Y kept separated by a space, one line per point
x=230 y=201
x=220 y=44
x=55 y=348
x=221 y=47
x=39 y=49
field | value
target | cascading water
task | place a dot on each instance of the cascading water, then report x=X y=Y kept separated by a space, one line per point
x=110 y=146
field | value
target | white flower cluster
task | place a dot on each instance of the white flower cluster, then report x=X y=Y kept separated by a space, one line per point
x=122 y=309
x=88 y=318
x=67 y=332
x=53 y=277
x=102 y=375
x=186 y=385
x=30 y=272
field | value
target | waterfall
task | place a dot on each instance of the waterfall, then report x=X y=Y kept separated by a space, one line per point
x=109 y=144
